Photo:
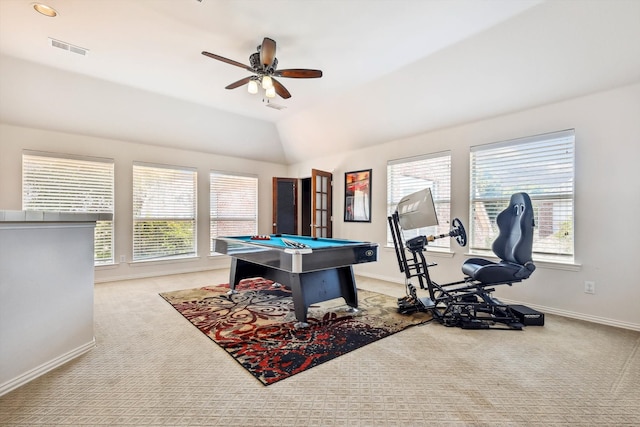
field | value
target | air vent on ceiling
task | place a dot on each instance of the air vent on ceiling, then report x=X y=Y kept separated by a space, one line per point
x=68 y=47
x=276 y=106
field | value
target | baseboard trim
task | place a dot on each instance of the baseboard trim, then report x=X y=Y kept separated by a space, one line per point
x=544 y=309
x=149 y=274
x=576 y=315
x=398 y=280
x=45 y=367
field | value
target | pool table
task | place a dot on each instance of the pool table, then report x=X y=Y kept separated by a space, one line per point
x=315 y=269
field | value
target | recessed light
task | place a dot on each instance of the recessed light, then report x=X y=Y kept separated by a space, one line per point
x=45 y=10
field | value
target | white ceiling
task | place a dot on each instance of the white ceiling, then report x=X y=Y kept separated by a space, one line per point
x=392 y=68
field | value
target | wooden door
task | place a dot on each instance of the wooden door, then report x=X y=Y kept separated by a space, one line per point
x=285 y=206
x=321 y=206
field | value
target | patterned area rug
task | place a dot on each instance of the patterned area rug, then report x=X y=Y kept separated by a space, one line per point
x=256 y=325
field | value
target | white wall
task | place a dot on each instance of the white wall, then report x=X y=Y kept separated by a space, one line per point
x=607 y=198
x=46 y=297
x=607 y=250
x=13 y=140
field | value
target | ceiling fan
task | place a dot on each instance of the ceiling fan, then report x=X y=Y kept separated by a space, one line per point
x=264 y=65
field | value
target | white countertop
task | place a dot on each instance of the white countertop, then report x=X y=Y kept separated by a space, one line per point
x=40 y=216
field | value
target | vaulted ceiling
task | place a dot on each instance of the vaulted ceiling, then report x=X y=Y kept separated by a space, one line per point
x=392 y=68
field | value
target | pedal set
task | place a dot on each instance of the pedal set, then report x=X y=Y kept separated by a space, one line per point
x=412 y=304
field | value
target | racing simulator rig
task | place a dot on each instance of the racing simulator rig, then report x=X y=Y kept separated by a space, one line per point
x=467 y=303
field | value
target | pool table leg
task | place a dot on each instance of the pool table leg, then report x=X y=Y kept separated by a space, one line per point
x=306 y=288
x=317 y=286
x=241 y=269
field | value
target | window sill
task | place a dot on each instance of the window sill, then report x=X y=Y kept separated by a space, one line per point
x=542 y=262
x=108 y=266
x=437 y=252
x=172 y=260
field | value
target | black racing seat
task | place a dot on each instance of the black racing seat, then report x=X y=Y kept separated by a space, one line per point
x=513 y=246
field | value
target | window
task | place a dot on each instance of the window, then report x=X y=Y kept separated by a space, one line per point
x=543 y=167
x=164 y=212
x=406 y=176
x=52 y=182
x=233 y=205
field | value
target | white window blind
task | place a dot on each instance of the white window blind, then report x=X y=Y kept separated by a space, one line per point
x=543 y=167
x=64 y=183
x=406 y=176
x=233 y=205
x=164 y=212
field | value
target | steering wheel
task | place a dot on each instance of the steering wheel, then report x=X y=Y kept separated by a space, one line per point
x=458 y=231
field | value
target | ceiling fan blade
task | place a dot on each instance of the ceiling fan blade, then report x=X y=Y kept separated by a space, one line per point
x=280 y=90
x=228 y=61
x=267 y=52
x=239 y=83
x=298 y=73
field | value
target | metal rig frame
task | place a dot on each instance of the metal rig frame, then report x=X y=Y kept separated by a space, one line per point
x=466 y=303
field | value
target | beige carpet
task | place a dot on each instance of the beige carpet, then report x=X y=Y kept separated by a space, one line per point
x=151 y=367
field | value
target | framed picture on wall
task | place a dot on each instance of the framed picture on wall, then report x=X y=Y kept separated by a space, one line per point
x=357 y=196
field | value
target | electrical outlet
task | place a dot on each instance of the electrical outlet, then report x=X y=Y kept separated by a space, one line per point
x=589 y=287
x=123 y=258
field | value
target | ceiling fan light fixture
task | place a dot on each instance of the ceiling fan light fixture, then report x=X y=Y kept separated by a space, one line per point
x=270 y=92
x=267 y=82
x=253 y=87
x=263 y=65
x=45 y=10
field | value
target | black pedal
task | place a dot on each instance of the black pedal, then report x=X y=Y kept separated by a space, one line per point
x=527 y=316
x=473 y=324
x=410 y=304
x=409 y=307
x=407 y=310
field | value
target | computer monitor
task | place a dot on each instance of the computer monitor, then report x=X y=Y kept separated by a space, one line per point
x=417 y=210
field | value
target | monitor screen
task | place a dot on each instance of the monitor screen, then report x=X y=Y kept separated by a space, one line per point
x=417 y=210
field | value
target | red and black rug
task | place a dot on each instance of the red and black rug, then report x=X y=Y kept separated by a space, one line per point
x=256 y=325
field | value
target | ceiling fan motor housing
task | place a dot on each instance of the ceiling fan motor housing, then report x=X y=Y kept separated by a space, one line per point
x=256 y=65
